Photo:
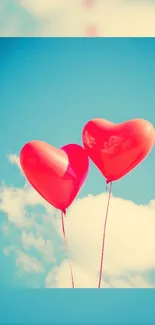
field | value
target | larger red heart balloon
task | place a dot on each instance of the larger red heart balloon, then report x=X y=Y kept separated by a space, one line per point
x=56 y=174
x=117 y=148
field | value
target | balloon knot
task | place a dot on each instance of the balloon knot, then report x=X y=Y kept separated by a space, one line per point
x=64 y=212
x=107 y=181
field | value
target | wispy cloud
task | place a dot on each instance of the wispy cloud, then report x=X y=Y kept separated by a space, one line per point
x=24 y=262
x=42 y=9
x=44 y=246
x=13 y=159
x=28 y=263
x=130 y=241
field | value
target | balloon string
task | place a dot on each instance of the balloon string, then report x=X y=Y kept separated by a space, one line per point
x=63 y=213
x=104 y=234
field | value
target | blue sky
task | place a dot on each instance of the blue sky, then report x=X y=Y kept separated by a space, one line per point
x=49 y=89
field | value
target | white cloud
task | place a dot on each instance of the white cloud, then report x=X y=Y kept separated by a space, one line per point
x=41 y=8
x=60 y=278
x=24 y=261
x=13 y=159
x=111 y=18
x=39 y=243
x=28 y=263
x=13 y=202
x=130 y=241
x=129 y=247
x=72 y=18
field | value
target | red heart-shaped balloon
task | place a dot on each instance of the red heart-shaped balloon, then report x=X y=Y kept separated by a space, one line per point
x=117 y=148
x=56 y=174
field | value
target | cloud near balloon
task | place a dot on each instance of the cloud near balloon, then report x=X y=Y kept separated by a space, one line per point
x=130 y=240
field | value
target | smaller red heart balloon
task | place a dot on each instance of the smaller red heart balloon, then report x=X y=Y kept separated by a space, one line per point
x=117 y=148
x=56 y=174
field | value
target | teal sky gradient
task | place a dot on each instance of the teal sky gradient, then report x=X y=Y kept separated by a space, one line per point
x=109 y=307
